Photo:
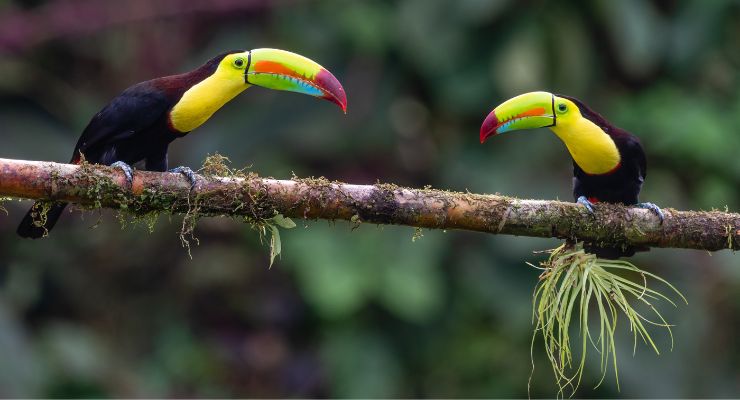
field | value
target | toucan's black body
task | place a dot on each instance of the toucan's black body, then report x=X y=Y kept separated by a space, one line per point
x=133 y=127
x=623 y=184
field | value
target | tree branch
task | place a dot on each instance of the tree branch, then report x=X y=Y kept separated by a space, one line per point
x=256 y=198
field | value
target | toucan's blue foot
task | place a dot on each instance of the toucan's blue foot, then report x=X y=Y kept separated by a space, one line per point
x=586 y=203
x=652 y=207
x=127 y=170
x=188 y=174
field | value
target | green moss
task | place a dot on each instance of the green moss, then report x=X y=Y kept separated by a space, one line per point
x=218 y=165
x=189 y=222
x=388 y=188
x=313 y=181
x=133 y=210
x=729 y=232
x=147 y=220
x=418 y=234
x=258 y=212
x=100 y=187
x=356 y=221
x=39 y=214
x=2 y=204
x=144 y=209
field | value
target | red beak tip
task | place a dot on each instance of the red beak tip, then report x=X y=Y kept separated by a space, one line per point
x=342 y=103
x=332 y=88
x=488 y=129
x=485 y=136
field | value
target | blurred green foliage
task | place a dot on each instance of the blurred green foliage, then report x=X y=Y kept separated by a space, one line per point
x=361 y=312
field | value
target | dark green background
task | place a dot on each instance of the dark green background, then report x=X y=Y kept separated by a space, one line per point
x=365 y=312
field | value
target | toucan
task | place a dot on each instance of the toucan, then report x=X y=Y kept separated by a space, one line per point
x=608 y=162
x=141 y=122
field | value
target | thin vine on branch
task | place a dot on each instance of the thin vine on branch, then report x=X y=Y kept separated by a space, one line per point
x=257 y=198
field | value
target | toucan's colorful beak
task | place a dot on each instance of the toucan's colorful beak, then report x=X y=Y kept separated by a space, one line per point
x=526 y=111
x=283 y=70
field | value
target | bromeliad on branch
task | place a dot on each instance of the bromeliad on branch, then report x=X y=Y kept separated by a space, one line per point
x=608 y=162
x=140 y=123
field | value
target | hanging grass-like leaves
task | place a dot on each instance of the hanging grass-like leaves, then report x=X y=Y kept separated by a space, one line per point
x=574 y=283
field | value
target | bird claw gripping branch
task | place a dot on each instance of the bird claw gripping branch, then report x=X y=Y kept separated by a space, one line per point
x=187 y=172
x=654 y=208
x=586 y=203
x=127 y=171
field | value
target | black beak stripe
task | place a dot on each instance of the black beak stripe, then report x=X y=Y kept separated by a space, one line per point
x=246 y=70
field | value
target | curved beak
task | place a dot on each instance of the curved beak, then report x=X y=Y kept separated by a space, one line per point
x=283 y=70
x=526 y=111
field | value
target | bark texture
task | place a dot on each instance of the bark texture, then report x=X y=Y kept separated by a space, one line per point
x=257 y=198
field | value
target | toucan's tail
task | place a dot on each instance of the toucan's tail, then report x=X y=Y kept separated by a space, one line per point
x=612 y=253
x=31 y=226
x=609 y=253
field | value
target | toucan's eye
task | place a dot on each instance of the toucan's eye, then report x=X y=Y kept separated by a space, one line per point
x=562 y=107
x=239 y=62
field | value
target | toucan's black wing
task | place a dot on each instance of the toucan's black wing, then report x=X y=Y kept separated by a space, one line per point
x=641 y=159
x=633 y=169
x=633 y=155
x=133 y=111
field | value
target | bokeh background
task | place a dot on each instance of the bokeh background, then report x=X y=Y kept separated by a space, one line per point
x=97 y=310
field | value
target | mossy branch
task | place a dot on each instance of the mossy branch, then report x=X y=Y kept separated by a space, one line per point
x=260 y=198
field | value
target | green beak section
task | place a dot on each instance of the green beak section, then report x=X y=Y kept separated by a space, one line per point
x=526 y=111
x=283 y=70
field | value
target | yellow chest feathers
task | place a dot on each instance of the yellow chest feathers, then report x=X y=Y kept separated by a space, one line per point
x=591 y=148
x=202 y=100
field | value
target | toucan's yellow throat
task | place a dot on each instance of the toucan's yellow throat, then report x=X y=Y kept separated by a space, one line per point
x=235 y=72
x=203 y=99
x=591 y=148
